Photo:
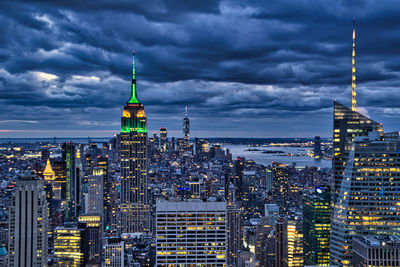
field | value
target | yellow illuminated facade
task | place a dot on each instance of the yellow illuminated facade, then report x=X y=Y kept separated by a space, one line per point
x=191 y=233
x=366 y=168
x=294 y=243
x=68 y=247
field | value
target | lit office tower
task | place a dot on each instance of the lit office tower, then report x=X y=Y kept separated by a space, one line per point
x=70 y=246
x=367 y=202
x=316 y=226
x=102 y=162
x=186 y=126
x=94 y=229
x=163 y=140
x=293 y=253
x=94 y=196
x=134 y=205
x=191 y=233
x=27 y=244
x=72 y=185
x=282 y=174
x=59 y=174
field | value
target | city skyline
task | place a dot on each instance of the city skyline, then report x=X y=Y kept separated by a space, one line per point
x=261 y=67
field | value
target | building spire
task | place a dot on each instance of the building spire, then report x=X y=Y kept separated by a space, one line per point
x=186 y=111
x=134 y=98
x=353 y=70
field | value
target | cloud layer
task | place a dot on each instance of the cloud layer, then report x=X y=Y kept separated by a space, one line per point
x=245 y=68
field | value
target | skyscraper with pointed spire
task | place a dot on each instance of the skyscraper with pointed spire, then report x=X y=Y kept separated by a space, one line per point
x=366 y=173
x=134 y=203
x=186 y=126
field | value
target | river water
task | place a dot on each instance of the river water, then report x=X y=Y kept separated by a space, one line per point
x=267 y=158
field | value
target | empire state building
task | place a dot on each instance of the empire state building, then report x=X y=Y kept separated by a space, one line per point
x=134 y=205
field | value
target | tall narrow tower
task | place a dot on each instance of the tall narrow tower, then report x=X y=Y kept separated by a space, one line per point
x=186 y=126
x=28 y=224
x=72 y=183
x=353 y=70
x=135 y=209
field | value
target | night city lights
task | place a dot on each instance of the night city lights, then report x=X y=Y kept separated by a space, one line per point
x=199 y=133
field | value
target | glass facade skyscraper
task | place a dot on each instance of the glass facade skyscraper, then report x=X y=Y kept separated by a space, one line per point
x=316 y=226
x=366 y=167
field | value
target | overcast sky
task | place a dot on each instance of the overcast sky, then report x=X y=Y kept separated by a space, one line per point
x=244 y=68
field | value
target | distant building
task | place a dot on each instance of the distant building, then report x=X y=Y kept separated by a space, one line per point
x=238 y=182
x=113 y=252
x=186 y=126
x=192 y=232
x=317 y=147
x=28 y=225
x=163 y=140
x=269 y=177
x=376 y=251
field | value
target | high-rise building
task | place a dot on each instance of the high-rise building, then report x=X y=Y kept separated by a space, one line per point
x=191 y=233
x=102 y=162
x=28 y=227
x=316 y=226
x=360 y=167
x=113 y=252
x=94 y=197
x=293 y=232
x=269 y=178
x=94 y=229
x=163 y=140
x=282 y=174
x=239 y=167
x=71 y=246
x=60 y=184
x=134 y=203
x=234 y=234
x=279 y=242
x=367 y=202
x=72 y=183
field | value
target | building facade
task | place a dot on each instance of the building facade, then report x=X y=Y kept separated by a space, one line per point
x=191 y=233
x=316 y=226
x=28 y=225
x=367 y=202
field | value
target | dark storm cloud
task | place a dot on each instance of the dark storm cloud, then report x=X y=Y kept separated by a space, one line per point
x=273 y=67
